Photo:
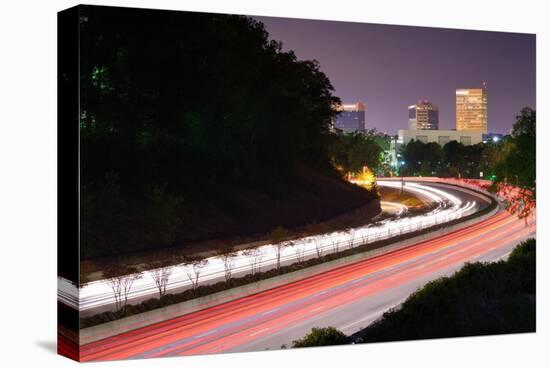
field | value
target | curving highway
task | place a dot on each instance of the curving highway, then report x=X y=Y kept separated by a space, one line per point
x=348 y=298
x=450 y=202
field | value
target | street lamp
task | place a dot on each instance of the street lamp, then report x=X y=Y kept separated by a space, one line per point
x=402 y=181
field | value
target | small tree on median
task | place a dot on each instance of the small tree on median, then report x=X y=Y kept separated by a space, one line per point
x=299 y=250
x=161 y=274
x=335 y=241
x=351 y=236
x=194 y=269
x=254 y=257
x=277 y=237
x=318 y=246
x=120 y=280
x=227 y=256
x=313 y=229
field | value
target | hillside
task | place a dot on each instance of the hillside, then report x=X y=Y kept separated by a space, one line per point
x=228 y=215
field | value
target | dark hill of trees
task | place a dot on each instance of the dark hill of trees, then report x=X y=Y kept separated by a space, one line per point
x=197 y=126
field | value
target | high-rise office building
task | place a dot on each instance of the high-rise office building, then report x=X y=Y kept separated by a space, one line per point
x=351 y=117
x=471 y=109
x=423 y=116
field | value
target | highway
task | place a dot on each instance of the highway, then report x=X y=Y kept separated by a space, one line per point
x=348 y=298
x=450 y=202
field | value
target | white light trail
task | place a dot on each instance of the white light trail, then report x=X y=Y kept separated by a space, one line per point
x=448 y=207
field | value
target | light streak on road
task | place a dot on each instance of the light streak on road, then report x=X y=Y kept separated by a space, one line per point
x=98 y=295
x=245 y=323
x=397 y=208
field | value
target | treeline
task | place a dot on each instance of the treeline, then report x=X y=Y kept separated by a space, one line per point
x=511 y=159
x=179 y=107
x=454 y=159
x=480 y=299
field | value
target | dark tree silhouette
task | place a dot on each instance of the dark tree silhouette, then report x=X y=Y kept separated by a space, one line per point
x=178 y=107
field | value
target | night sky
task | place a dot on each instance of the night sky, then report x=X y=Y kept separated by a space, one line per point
x=391 y=67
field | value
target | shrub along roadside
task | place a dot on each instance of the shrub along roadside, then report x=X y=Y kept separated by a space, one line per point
x=170 y=299
x=321 y=336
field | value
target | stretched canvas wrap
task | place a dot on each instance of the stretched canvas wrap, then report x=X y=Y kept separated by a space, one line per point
x=235 y=183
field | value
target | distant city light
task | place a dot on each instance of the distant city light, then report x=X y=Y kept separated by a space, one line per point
x=495 y=139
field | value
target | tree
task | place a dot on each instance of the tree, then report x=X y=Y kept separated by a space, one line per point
x=120 y=279
x=454 y=156
x=278 y=237
x=518 y=167
x=315 y=230
x=193 y=270
x=161 y=274
x=321 y=337
x=227 y=256
x=354 y=151
x=334 y=241
x=148 y=120
x=318 y=245
x=254 y=256
x=299 y=250
x=351 y=236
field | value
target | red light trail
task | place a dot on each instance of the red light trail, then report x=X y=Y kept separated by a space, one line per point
x=236 y=323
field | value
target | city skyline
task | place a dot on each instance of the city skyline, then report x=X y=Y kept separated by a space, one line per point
x=391 y=67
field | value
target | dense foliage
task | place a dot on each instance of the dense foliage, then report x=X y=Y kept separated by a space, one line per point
x=518 y=163
x=351 y=152
x=178 y=105
x=454 y=159
x=321 y=336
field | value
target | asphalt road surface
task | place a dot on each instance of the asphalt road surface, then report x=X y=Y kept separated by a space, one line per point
x=348 y=298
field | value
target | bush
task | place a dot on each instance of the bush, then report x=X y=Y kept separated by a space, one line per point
x=321 y=336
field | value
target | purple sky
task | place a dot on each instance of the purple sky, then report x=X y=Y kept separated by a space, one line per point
x=391 y=67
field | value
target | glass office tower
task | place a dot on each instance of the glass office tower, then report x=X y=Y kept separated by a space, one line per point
x=351 y=118
x=471 y=109
x=423 y=116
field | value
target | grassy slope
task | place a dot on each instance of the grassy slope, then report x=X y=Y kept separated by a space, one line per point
x=239 y=215
x=312 y=197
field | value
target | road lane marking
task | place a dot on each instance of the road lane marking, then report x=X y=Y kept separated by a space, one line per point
x=270 y=311
x=205 y=334
x=316 y=309
x=259 y=331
